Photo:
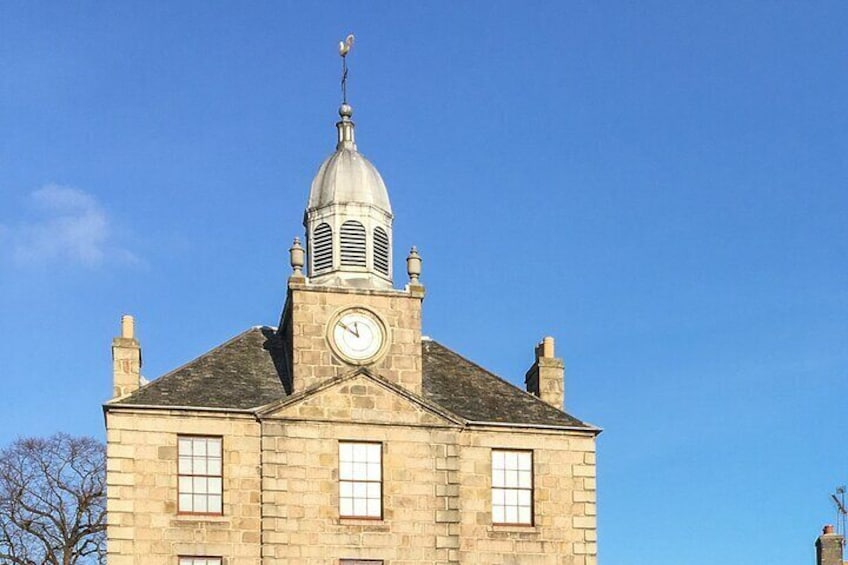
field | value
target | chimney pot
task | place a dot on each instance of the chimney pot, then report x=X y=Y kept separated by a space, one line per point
x=828 y=529
x=548 y=347
x=127 y=326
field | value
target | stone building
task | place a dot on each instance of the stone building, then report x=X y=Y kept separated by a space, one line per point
x=344 y=436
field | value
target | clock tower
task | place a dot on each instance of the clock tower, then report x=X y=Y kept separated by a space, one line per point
x=343 y=314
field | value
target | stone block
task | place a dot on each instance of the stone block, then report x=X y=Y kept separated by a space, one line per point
x=583 y=522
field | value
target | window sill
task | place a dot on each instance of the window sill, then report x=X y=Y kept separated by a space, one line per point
x=513 y=531
x=184 y=519
x=372 y=524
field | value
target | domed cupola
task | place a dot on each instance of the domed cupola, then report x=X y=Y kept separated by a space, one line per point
x=348 y=218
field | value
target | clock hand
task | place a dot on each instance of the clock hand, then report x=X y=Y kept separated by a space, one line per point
x=353 y=330
x=356 y=329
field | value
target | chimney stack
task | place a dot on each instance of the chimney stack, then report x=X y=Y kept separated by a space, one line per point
x=126 y=359
x=546 y=378
x=829 y=547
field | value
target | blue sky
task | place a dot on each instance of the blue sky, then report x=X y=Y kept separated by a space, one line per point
x=660 y=186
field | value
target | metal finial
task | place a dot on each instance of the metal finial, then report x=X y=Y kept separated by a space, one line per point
x=344 y=49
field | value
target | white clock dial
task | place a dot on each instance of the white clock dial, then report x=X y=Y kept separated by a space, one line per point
x=357 y=335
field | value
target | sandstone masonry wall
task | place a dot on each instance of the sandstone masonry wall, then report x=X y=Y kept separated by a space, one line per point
x=564 y=530
x=144 y=527
x=281 y=492
x=310 y=310
x=436 y=486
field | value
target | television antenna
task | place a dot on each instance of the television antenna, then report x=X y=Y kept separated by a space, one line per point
x=841 y=512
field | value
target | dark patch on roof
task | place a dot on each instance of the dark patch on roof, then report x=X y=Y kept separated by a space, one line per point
x=470 y=391
x=245 y=372
x=250 y=371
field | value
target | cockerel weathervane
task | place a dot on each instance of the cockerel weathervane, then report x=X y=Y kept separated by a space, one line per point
x=344 y=49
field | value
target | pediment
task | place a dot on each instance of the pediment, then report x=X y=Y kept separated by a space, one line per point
x=363 y=398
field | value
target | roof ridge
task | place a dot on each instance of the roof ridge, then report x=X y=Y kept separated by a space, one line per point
x=500 y=378
x=194 y=360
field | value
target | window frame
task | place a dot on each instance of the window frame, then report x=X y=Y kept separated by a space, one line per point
x=341 y=480
x=180 y=475
x=531 y=488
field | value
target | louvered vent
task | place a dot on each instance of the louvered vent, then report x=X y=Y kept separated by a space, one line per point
x=381 y=251
x=322 y=248
x=353 y=244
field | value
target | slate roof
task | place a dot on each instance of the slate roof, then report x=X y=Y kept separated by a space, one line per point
x=249 y=371
x=470 y=391
x=245 y=372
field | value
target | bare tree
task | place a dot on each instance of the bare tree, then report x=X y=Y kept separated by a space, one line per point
x=53 y=501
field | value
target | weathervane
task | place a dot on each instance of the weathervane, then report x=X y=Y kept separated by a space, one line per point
x=344 y=49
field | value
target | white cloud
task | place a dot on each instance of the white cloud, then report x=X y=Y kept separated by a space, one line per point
x=69 y=225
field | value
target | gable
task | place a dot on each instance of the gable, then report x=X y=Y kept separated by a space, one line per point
x=360 y=398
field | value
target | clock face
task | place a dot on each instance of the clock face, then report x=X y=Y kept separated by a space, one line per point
x=358 y=335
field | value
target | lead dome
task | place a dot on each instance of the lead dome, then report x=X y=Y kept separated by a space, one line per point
x=348 y=218
x=346 y=175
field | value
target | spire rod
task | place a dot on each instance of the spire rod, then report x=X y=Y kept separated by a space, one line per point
x=344 y=49
x=345 y=126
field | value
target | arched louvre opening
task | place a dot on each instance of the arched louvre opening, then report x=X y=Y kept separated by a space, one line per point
x=322 y=248
x=381 y=251
x=353 y=244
